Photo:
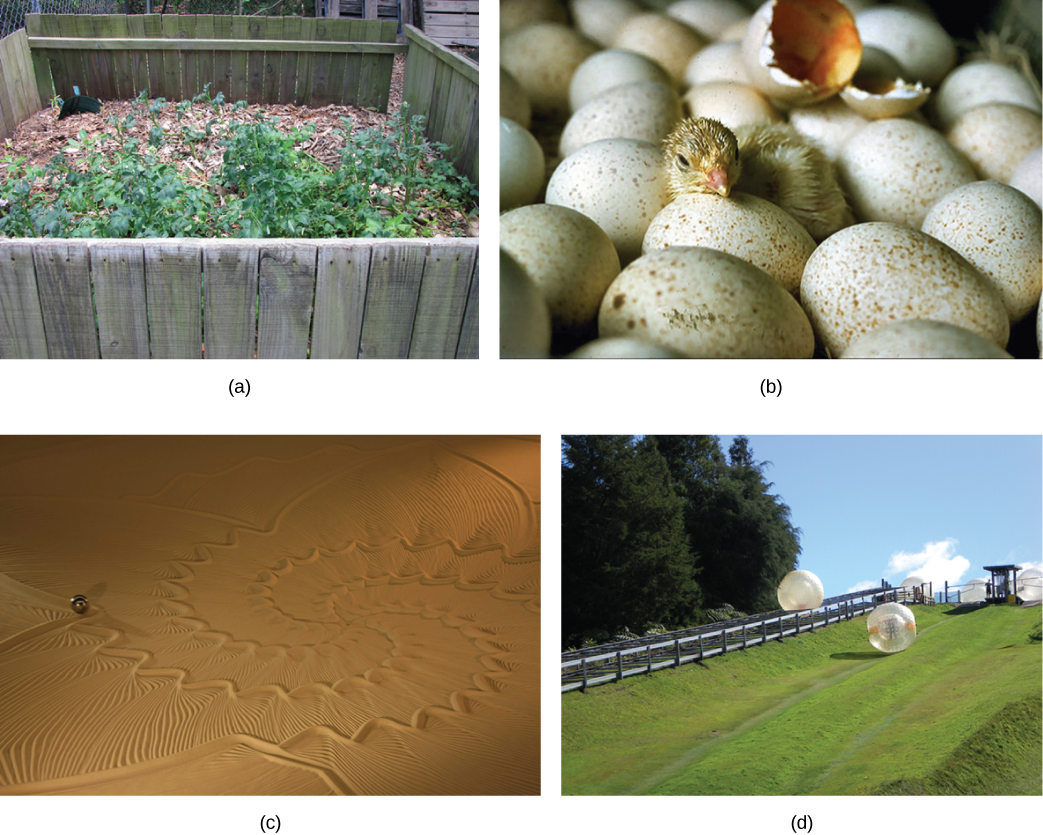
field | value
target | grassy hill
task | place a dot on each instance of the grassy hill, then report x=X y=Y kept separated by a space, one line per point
x=959 y=712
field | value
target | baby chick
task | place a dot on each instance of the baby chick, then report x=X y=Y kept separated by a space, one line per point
x=771 y=161
x=806 y=402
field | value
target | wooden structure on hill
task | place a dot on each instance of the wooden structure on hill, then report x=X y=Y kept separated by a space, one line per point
x=449 y=22
x=1003 y=583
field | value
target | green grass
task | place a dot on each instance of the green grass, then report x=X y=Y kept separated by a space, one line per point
x=825 y=713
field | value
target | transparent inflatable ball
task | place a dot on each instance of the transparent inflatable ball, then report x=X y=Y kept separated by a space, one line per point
x=892 y=627
x=800 y=590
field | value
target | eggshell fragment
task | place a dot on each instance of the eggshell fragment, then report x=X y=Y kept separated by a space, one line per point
x=871 y=274
x=900 y=395
x=645 y=110
x=622 y=347
x=620 y=184
x=524 y=318
x=543 y=57
x=611 y=395
x=800 y=51
x=612 y=68
x=1028 y=175
x=730 y=103
x=878 y=91
x=922 y=339
x=663 y=39
x=567 y=256
x=705 y=303
x=712 y=423
x=986 y=417
x=521 y=165
x=981 y=82
x=996 y=137
x=921 y=46
x=745 y=226
x=1000 y=231
x=896 y=169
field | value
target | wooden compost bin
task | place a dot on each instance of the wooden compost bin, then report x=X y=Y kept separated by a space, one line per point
x=226 y=298
x=443 y=86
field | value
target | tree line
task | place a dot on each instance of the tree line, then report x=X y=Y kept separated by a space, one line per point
x=665 y=532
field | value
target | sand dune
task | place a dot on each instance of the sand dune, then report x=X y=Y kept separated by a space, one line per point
x=297 y=815
x=270 y=615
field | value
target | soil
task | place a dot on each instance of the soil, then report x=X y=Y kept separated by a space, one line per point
x=42 y=136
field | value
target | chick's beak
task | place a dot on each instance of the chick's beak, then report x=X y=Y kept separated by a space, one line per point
x=717 y=398
x=717 y=180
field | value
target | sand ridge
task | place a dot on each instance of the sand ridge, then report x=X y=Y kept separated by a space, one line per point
x=282 y=615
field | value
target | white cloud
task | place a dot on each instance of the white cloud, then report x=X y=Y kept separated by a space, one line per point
x=861 y=585
x=935 y=563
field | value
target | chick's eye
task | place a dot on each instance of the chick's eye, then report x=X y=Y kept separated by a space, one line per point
x=681 y=161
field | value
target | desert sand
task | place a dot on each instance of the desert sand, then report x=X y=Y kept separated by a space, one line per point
x=270 y=615
x=297 y=815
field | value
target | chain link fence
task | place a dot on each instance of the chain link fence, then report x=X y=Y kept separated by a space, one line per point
x=13 y=12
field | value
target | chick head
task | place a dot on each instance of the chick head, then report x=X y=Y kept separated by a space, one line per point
x=702 y=156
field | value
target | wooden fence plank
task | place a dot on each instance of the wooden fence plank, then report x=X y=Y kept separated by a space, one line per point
x=233 y=44
x=41 y=62
x=223 y=59
x=287 y=89
x=340 y=300
x=468 y=347
x=240 y=32
x=12 y=111
x=191 y=59
x=273 y=62
x=171 y=60
x=205 y=31
x=122 y=79
x=443 y=300
x=63 y=281
x=230 y=300
x=22 y=333
x=172 y=279
x=138 y=57
x=101 y=79
x=305 y=64
x=153 y=25
x=286 y=286
x=255 y=62
x=320 y=73
x=118 y=273
x=394 y=284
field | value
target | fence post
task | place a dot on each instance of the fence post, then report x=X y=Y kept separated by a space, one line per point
x=764 y=631
x=724 y=642
x=677 y=651
x=619 y=665
x=583 y=667
x=648 y=649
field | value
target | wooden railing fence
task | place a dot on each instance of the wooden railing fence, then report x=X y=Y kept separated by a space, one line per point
x=274 y=60
x=19 y=98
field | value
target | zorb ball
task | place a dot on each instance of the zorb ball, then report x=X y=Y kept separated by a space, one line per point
x=1030 y=584
x=974 y=590
x=808 y=808
x=892 y=627
x=800 y=590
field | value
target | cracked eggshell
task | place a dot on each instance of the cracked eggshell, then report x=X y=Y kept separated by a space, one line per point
x=611 y=68
x=611 y=395
x=1000 y=231
x=922 y=339
x=871 y=274
x=745 y=226
x=521 y=166
x=666 y=41
x=900 y=395
x=524 y=318
x=542 y=57
x=986 y=417
x=645 y=110
x=801 y=51
x=551 y=705
x=896 y=169
x=620 y=184
x=712 y=423
x=705 y=303
x=878 y=91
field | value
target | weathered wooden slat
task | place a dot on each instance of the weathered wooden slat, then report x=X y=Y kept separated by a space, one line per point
x=230 y=300
x=468 y=347
x=394 y=285
x=122 y=80
x=273 y=61
x=342 y=273
x=63 y=281
x=191 y=85
x=286 y=288
x=240 y=31
x=320 y=72
x=222 y=58
x=172 y=280
x=41 y=64
x=138 y=58
x=11 y=112
x=153 y=25
x=255 y=61
x=206 y=75
x=101 y=80
x=443 y=300
x=305 y=64
x=236 y=43
x=291 y=31
x=22 y=333
x=171 y=59
x=118 y=273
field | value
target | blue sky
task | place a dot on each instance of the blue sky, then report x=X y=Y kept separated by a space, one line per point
x=873 y=507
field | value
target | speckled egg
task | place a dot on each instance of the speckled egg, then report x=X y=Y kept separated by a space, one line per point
x=921 y=46
x=611 y=395
x=645 y=110
x=620 y=184
x=543 y=57
x=922 y=339
x=705 y=303
x=996 y=137
x=712 y=423
x=524 y=318
x=667 y=41
x=622 y=348
x=1028 y=175
x=599 y=20
x=1000 y=231
x=748 y=227
x=986 y=417
x=612 y=68
x=981 y=82
x=871 y=274
x=900 y=395
x=721 y=61
x=896 y=169
x=827 y=125
x=710 y=18
x=521 y=165
x=730 y=103
x=514 y=104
